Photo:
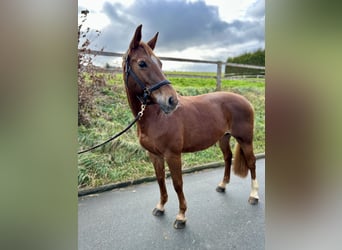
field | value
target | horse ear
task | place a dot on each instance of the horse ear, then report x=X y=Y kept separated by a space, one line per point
x=153 y=41
x=136 y=38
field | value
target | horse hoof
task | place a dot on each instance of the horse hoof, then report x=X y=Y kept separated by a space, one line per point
x=253 y=201
x=179 y=224
x=220 y=189
x=157 y=212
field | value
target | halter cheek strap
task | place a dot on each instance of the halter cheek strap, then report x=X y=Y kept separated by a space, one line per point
x=146 y=91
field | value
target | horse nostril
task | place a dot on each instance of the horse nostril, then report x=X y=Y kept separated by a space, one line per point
x=169 y=104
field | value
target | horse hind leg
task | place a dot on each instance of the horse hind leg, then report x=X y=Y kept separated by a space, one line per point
x=159 y=168
x=253 y=196
x=244 y=157
x=224 y=143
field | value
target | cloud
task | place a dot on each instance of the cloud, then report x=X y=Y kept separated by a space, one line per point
x=256 y=10
x=182 y=25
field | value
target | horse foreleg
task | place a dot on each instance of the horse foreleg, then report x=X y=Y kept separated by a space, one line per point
x=159 y=168
x=227 y=154
x=175 y=167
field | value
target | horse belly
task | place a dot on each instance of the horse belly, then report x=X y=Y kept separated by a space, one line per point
x=198 y=146
x=202 y=140
x=204 y=129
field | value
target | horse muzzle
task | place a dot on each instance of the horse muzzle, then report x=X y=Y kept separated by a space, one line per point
x=169 y=104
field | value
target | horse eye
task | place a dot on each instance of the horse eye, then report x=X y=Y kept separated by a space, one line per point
x=142 y=64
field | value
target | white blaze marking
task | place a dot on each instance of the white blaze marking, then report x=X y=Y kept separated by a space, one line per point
x=154 y=59
x=161 y=99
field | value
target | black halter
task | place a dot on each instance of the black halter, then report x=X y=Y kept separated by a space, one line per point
x=146 y=91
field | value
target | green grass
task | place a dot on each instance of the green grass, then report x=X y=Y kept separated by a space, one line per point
x=124 y=159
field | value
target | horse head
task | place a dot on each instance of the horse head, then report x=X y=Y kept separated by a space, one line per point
x=143 y=74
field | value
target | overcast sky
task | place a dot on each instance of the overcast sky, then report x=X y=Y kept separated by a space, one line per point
x=197 y=29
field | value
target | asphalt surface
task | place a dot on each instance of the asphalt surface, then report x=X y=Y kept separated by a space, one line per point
x=122 y=219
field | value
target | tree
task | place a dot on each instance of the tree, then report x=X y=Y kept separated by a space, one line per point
x=254 y=58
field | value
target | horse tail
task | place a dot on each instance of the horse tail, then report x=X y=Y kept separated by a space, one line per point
x=239 y=162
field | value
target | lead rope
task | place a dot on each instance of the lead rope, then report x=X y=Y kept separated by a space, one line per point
x=138 y=117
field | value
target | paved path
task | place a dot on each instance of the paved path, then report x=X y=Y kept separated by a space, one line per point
x=122 y=219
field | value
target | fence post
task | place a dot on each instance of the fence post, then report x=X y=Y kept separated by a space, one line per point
x=218 y=75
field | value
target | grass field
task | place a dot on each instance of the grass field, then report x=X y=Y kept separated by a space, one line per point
x=124 y=159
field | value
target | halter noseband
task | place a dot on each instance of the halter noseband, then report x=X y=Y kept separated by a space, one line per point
x=147 y=91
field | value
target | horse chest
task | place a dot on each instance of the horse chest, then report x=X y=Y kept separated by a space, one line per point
x=145 y=141
x=158 y=141
x=149 y=143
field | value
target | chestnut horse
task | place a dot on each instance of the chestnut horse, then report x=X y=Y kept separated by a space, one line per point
x=172 y=124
